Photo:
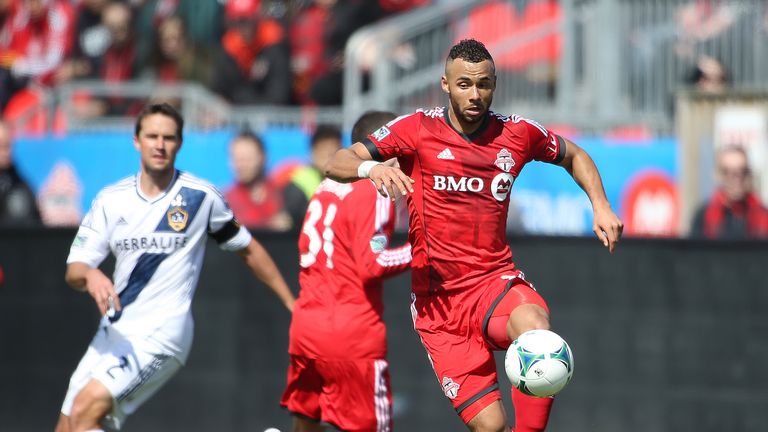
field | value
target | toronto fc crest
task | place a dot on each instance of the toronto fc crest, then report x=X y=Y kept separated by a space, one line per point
x=504 y=160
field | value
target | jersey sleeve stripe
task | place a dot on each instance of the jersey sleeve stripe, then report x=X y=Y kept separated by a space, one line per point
x=372 y=149
x=382 y=212
x=395 y=257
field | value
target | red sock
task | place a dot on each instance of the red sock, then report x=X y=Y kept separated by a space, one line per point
x=531 y=413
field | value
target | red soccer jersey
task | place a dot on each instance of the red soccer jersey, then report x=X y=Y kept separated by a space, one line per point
x=343 y=258
x=458 y=210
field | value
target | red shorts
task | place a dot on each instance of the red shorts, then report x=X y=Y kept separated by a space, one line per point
x=351 y=395
x=453 y=330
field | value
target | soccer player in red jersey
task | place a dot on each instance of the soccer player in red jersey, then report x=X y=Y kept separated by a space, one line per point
x=338 y=372
x=458 y=165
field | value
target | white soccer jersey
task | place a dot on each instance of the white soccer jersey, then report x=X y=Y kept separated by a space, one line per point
x=159 y=245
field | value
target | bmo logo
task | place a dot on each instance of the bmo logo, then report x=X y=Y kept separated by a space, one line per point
x=461 y=184
x=501 y=186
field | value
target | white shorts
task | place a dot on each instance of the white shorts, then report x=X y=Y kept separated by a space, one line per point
x=132 y=370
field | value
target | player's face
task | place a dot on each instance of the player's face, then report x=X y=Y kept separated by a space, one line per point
x=157 y=143
x=470 y=88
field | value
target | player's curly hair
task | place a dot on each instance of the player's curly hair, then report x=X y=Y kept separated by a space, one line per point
x=470 y=50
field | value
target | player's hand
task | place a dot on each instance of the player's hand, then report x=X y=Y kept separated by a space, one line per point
x=101 y=289
x=607 y=226
x=390 y=180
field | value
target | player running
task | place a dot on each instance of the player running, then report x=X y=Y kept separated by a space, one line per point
x=338 y=372
x=156 y=224
x=458 y=165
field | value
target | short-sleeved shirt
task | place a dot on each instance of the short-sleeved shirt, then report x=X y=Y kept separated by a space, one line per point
x=344 y=256
x=458 y=210
x=158 y=244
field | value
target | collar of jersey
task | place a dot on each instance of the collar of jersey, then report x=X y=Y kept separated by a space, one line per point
x=141 y=195
x=474 y=134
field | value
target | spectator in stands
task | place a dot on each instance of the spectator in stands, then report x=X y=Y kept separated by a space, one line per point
x=254 y=199
x=324 y=143
x=111 y=57
x=17 y=201
x=252 y=66
x=90 y=40
x=202 y=22
x=340 y=20
x=37 y=39
x=708 y=75
x=174 y=58
x=734 y=211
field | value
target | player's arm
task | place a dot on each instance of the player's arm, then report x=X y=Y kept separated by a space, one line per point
x=391 y=262
x=88 y=251
x=84 y=278
x=356 y=162
x=263 y=267
x=606 y=225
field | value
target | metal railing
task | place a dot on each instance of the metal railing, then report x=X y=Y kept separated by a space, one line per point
x=620 y=61
x=201 y=108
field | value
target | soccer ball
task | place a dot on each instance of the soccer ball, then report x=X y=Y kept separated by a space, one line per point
x=539 y=363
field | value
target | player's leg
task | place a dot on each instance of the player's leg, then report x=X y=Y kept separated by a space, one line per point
x=357 y=395
x=517 y=309
x=63 y=424
x=81 y=377
x=463 y=364
x=302 y=393
x=301 y=424
x=492 y=418
x=91 y=405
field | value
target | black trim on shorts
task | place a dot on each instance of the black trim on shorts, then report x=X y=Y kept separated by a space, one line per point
x=227 y=232
x=372 y=149
x=476 y=397
x=488 y=314
x=561 y=150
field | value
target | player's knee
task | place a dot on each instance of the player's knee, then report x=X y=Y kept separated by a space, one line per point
x=488 y=424
x=89 y=407
x=527 y=317
x=63 y=424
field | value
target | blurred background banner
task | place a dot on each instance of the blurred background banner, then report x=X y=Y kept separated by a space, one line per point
x=544 y=201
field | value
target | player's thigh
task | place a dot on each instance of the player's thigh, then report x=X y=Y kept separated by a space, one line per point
x=83 y=373
x=131 y=370
x=462 y=361
x=516 y=292
x=304 y=385
x=357 y=395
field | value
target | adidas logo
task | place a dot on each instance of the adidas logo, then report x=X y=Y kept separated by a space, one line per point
x=446 y=154
x=122 y=221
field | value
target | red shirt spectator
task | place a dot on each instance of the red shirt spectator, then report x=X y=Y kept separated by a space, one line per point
x=38 y=37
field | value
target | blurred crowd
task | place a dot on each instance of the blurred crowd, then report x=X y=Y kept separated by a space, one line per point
x=248 y=51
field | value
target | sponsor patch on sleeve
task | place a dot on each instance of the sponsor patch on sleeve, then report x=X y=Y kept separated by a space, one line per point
x=381 y=133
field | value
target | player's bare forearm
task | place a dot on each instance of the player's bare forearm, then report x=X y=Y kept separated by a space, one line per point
x=342 y=167
x=263 y=267
x=584 y=172
x=85 y=278
x=75 y=275
x=606 y=225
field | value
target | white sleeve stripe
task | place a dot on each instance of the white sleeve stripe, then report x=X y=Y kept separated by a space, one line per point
x=391 y=258
x=382 y=212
